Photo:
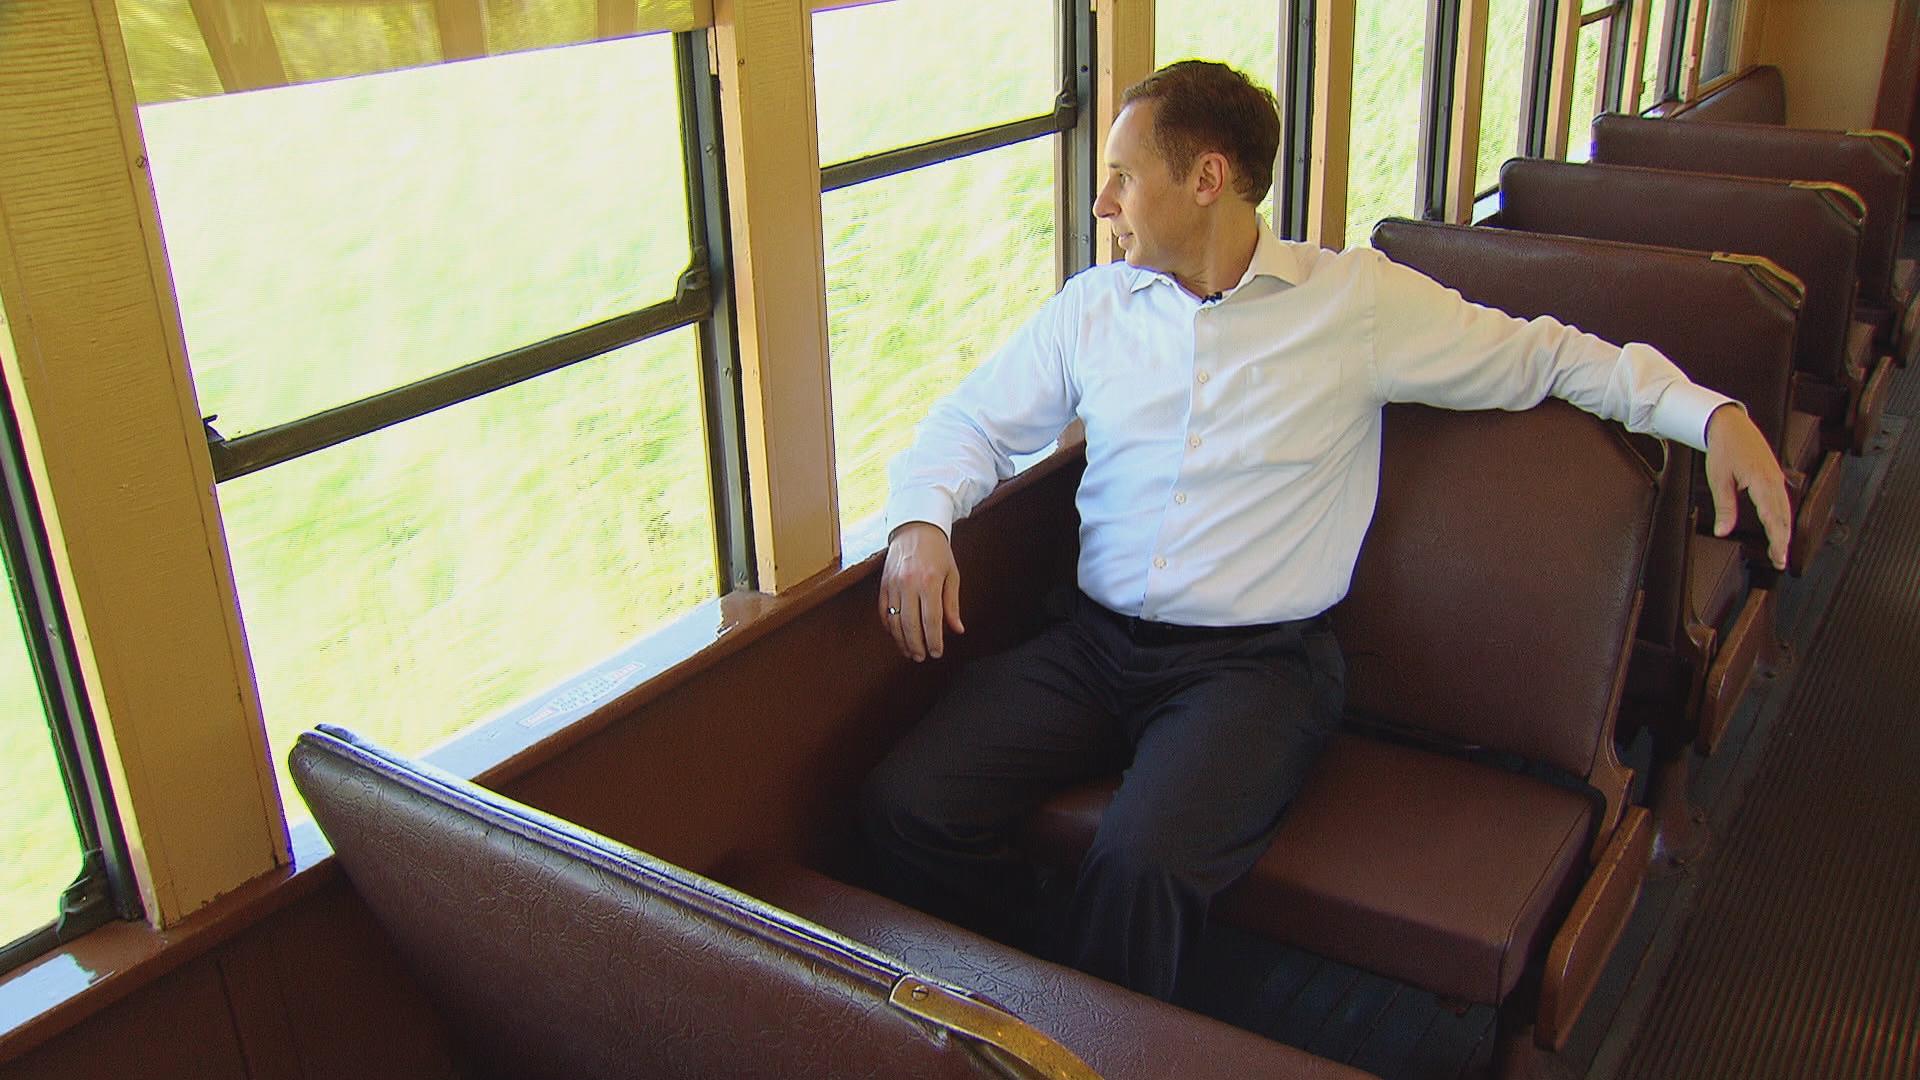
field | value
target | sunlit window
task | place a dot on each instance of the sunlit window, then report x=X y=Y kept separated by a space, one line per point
x=36 y=828
x=1659 y=41
x=1589 y=85
x=1383 y=162
x=1716 y=48
x=928 y=270
x=337 y=240
x=1508 y=24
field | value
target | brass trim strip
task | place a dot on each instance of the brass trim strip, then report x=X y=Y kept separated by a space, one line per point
x=1775 y=277
x=1898 y=141
x=1838 y=191
x=1034 y=1052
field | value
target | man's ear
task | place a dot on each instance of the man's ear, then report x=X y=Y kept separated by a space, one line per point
x=1211 y=177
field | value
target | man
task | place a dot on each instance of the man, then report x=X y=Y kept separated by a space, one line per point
x=1231 y=385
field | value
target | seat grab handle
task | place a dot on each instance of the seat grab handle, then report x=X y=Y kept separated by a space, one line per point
x=1025 y=1051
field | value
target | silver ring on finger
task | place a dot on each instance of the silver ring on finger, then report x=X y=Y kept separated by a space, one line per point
x=892 y=611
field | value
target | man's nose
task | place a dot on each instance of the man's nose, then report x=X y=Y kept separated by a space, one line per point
x=1104 y=205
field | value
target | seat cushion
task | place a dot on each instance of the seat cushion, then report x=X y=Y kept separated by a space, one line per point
x=1436 y=871
x=1716 y=578
x=1115 y=1031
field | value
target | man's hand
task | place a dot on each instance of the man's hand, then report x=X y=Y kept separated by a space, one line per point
x=920 y=590
x=1739 y=459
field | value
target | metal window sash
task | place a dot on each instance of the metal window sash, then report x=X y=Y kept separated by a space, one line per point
x=1076 y=167
x=721 y=387
x=1536 y=105
x=693 y=302
x=1293 y=86
x=1436 y=107
x=104 y=888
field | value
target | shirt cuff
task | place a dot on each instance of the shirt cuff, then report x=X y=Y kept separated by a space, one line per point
x=925 y=505
x=1682 y=411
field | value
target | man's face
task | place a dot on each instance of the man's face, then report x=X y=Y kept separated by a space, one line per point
x=1152 y=213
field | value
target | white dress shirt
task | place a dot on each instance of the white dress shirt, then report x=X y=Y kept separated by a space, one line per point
x=1233 y=445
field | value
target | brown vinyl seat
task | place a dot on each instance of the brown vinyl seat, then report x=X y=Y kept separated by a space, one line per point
x=1811 y=230
x=1730 y=326
x=1627 y=291
x=1875 y=165
x=555 y=952
x=1757 y=95
x=1489 y=622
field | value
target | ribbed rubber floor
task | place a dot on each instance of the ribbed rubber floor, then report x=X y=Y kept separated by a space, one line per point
x=1802 y=956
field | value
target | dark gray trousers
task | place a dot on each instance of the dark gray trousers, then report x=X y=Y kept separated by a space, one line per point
x=1215 y=731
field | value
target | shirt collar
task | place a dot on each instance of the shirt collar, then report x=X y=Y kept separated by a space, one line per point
x=1272 y=257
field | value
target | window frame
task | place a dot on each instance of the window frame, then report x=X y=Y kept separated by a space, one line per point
x=1295 y=178
x=1439 y=77
x=702 y=299
x=103 y=889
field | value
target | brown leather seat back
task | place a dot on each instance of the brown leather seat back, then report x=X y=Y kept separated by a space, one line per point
x=1494 y=598
x=1757 y=95
x=1729 y=325
x=1814 y=233
x=1873 y=165
x=557 y=953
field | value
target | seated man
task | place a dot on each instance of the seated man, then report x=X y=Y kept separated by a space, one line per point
x=1231 y=385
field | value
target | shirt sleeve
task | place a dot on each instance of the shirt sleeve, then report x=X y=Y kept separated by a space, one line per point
x=1015 y=403
x=1433 y=347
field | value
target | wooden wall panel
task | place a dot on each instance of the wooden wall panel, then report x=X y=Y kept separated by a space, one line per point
x=176 y=1029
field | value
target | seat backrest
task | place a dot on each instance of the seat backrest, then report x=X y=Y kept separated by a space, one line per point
x=555 y=952
x=1494 y=599
x=1729 y=324
x=1874 y=165
x=1757 y=95
x=1811 y=232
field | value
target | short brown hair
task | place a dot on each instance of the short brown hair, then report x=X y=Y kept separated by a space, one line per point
x=1201 y=106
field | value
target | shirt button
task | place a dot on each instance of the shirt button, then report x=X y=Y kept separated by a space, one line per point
x=1194 y=442
x=1203 y=376
x=1159 y=564
x=1180 y=497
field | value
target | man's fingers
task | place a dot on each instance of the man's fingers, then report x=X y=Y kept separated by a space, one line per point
x=1776 y=513
x=951 y=595
x=927 y=621
x=895 y=621
x=1726 y=504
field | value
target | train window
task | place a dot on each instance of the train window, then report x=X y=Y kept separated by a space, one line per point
x=37 y=833
x=1242 y=35
x=1660 y=71
x=929 y=92
x=927 y=272
x=468 y=559
x=1383 y=163
x=932 y=257
x=65 y=870
x=1716 y=47
x=334 y=240
x=1502 y=136
x=1590 y=99
x=451 y=326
